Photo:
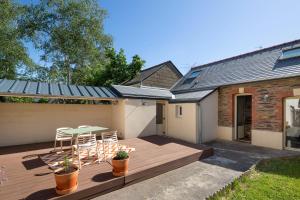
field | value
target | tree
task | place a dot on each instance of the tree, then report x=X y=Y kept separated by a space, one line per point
x=70 y=33
x=13 y=54
x=116 y=69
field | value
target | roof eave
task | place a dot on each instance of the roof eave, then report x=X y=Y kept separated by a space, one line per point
x=237 y=83
x=57 y=97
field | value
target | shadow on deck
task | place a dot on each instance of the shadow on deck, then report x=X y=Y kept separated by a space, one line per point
x=30 y=178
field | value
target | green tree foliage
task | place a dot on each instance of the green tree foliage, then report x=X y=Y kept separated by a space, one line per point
x=71 y=35
x=13 y=55
x=116 y=70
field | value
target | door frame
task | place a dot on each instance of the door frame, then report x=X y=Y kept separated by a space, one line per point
x=284 y=126
x=163 y=126
x=235 y=136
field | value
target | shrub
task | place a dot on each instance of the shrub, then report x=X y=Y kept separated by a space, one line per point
x=121 y=155
x=66 y=164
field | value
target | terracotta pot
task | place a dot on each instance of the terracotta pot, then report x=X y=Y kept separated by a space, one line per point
x=120 y=167
x=66 y=183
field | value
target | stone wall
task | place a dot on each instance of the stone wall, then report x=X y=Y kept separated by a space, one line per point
x=265 y=115
x=163 y=78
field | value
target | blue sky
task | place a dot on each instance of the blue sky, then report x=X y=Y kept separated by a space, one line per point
x=194 y=32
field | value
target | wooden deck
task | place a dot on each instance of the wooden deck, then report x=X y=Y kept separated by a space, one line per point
x=30 y=178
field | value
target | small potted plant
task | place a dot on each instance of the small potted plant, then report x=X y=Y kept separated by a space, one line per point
x=66 y=178
x=120 y=164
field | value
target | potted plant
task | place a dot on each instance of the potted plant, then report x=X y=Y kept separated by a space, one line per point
x=120 y=164
x=66 y=178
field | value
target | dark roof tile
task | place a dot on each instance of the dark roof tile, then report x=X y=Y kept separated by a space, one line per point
x=259 y=65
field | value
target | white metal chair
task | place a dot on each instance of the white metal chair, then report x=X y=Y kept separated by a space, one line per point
x=85 y=143
x=85 y=134
x=61 y=137
x=110 y=144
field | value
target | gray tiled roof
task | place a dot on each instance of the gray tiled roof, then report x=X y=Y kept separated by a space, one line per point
x=259 y=65
x=191 y=96
x=42 y=89
x=144 y=74
x=144 y=92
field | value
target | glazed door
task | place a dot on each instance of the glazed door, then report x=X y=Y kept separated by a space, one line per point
x=292 y=123
x=244 y=118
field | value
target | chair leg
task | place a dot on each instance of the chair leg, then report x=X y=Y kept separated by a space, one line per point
x=61 y=145
x=72 y=154
x=79 y=162
x=104 y=154
x=98 y=153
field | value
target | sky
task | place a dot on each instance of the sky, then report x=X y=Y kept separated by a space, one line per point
x=195 y=32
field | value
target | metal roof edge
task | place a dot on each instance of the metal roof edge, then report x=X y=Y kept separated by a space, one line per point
x=193 y=90
x=192 y=100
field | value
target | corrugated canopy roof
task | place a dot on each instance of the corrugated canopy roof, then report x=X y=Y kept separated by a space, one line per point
x=53 y=90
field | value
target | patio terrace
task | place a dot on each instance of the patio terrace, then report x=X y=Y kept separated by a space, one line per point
x=30 y=178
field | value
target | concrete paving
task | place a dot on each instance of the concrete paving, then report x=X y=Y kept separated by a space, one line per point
x=202 y=178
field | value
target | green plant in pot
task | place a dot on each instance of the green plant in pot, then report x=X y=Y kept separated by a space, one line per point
x=66 y=178
x=120 y=164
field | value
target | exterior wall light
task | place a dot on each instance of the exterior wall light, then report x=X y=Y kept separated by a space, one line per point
x=266 y=98
x=144 y=103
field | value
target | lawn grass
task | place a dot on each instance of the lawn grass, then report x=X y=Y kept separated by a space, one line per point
x=271 y=179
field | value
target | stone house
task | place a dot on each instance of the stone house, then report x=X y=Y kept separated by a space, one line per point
x=163 y=75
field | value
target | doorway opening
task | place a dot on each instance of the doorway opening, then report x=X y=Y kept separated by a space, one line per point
x=160 y=118
x=243 y=118
x=292 y=123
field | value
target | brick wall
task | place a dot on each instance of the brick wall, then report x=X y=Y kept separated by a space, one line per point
x=163 y=78
x=265 y=115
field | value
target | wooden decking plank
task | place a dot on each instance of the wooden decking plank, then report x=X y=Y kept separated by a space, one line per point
x=154 y=155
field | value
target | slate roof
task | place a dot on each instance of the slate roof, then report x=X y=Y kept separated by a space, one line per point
x=259 y=65
x=191 y=96
x=143 y=92
x=144 y=74
x=43 y=89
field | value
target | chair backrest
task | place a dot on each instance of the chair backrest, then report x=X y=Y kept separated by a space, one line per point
x=109 y=137
x=61 y=134
x=85 y=134
x=91 y=139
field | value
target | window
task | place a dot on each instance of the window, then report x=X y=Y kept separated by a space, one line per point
x=178 y=111
x=194 y=74
x=191 y=77
x=290 y=53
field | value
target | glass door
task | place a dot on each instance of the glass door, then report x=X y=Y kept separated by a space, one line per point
x=292 y=123
x=244 y=118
